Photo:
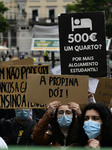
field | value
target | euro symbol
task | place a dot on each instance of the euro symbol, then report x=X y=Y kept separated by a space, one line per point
x=93 y=37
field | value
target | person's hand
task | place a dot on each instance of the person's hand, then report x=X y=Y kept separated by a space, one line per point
x=52 y=107
x=93 y=143
x=75 y=106
x=90 y=94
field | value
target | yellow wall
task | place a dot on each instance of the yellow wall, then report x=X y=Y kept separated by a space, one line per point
x=42 y=6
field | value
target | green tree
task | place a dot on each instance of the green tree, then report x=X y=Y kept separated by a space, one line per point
x=3 y=21
x=93 y=5
x=89 y=5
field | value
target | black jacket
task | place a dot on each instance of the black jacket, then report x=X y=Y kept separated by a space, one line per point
x=15 y=133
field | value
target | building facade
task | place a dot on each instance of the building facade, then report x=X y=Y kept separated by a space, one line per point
x=24 y=14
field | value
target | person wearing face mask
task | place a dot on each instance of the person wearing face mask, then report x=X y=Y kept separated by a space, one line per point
x=95 y=126
x=61 y=119
x=17 y=130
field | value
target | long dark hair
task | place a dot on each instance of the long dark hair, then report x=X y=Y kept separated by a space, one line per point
x=106 y=117
x=57 y=135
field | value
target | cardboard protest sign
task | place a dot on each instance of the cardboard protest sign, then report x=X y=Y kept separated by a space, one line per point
x=104 y=90
x=13 y=85
x=25 y=61
x=83 y=44
x=47 y=88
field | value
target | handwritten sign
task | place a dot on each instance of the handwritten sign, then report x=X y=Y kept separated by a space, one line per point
x=104 y=90
x=47 y=88
x=13 y=85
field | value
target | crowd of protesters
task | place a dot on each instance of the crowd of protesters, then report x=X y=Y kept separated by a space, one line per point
x=59 y=125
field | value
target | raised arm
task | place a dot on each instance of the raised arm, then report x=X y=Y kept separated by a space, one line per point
x=39 y=132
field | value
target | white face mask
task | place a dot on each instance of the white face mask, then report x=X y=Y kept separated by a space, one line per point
x=111 y=109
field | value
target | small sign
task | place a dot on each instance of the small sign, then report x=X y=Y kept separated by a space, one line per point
x=104 y=91
x=42 y=44
x=83 y=44
x=93 y=83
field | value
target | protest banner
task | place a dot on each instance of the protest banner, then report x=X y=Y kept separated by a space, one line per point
x=42 y=44
x=83 y=44
x=25 y=61
x=64 y=88
x=104 y=91
x=13 y=85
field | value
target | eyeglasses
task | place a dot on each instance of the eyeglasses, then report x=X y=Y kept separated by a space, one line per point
x=67 y=112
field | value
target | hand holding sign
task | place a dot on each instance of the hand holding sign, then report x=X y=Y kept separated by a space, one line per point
x=75 y=106
x=52 y=107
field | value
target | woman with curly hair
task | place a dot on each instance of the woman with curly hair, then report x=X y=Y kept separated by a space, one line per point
x=95 y=126
x=62 y=119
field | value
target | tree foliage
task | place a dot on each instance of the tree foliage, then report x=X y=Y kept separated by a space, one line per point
x=89 y=5
x=93 y=5
x=3 y=21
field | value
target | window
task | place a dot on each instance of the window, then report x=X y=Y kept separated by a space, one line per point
x=5 y=38
x=51 y=14
x=15 y=12
x=34 y=13
x=10 y=12
x=13 y=37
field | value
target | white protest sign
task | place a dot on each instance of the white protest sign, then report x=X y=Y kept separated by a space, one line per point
x=56 y=70
x=93 y=83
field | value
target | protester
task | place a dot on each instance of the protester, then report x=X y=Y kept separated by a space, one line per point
x=46 y=57
x=59 y=119
x=35 y=113
x=7 y=113
x=18 y=130
x=95 y=126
